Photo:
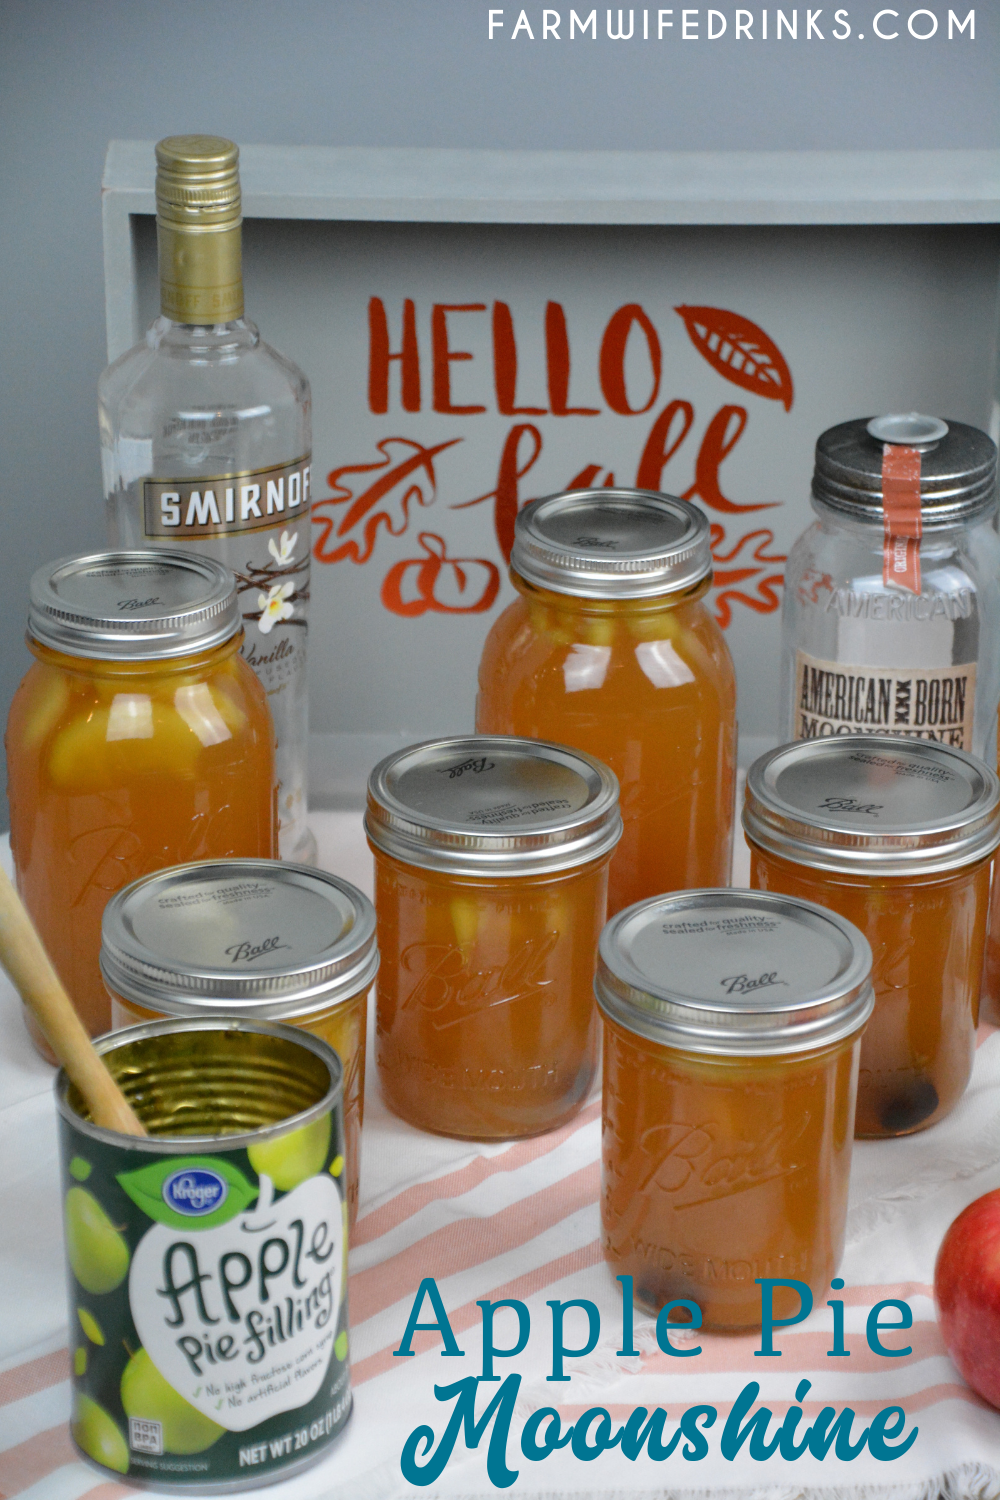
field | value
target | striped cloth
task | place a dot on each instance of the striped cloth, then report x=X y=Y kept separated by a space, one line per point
x=520 y=1221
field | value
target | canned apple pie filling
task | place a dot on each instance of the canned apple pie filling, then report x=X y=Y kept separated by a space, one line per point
x=732 y=1027
x=896 y=835
x=491 y=872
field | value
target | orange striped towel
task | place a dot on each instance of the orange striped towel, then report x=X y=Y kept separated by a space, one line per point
x=520 y=1221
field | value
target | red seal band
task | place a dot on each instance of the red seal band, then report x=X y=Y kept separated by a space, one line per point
x=901 y=517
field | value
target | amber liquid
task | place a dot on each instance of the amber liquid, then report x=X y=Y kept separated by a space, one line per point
x=342 y=1026
x=648 y=687
x=991 y=968
x=486 y=1021
x=118 y=769
x=716 y=1171
x=927 y=937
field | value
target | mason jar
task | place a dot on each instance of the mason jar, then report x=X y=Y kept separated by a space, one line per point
x=891 y=615
x=138 y=738
x=732 y=1025
x=897 y=836
x=254 y=940
x=491 y=870
x=610 y=647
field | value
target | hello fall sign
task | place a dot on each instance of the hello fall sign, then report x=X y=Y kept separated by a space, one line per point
x=395 y=491
x=477 y=368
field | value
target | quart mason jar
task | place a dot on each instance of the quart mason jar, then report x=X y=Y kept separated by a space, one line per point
x=898 y=837
x=891 y=616
x=138 y=738
x=610 y=648
x=732 y=1024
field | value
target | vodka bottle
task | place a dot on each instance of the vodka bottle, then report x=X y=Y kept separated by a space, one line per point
x=205 y=443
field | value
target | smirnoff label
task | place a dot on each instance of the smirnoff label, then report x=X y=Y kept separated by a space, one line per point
x=203 y=507
x=258 y=524
x=922 y=703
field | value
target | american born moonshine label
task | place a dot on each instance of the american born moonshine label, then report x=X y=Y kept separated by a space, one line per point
x=925 y=703
x=210 y=1322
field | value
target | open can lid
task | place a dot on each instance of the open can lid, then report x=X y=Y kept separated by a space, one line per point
x=611 y=544
x=493 y=806
x=258 y=938
x=873 y=804
x=734 y=972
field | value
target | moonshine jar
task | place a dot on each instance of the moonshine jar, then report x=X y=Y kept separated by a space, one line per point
x=139 y=738
x=891 y=613
x=896 y=836
x=254 y=940
x=610 y=648
x=732 y=1024
x=491 y=857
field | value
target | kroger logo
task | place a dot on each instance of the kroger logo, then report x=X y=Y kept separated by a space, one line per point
x=195 y=1190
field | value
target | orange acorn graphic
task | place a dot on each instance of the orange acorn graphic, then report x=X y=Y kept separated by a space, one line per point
x=739 y=351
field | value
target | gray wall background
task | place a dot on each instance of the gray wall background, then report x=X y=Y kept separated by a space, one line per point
x=75 y=73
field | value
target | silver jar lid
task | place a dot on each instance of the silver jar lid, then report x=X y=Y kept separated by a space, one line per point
x=958 y=467
x=133 y=606
x=873 y=805
x=256 y=938
x=611 y=544
x=492 y=806
x=736 y=973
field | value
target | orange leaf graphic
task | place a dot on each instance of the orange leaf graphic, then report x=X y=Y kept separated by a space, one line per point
x=763 y=538
x=764 y=600
x=739 y=351
x=414 y=472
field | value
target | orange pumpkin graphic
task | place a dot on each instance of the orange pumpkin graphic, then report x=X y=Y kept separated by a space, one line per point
x=418 y=584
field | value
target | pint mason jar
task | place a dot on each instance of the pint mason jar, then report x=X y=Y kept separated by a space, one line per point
x=254 y=940
x=732 y=1025
x=897 y=836
x=891 y=613
x=610 y=648
x=491 y=867
x=139 y=738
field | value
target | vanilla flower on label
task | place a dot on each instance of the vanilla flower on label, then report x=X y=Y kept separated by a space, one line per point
x=282 y=550
x=274 y=606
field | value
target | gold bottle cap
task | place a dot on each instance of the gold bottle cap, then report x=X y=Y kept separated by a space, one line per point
x=198 y=218
x=198 y=182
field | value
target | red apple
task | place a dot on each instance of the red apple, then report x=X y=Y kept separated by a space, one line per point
x=967 y=1292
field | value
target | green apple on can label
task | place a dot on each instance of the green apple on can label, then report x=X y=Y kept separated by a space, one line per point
x=208 y=1300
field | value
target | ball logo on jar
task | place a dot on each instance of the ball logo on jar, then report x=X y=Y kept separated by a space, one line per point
x=452 y=989
x=851 y=804
x=745 y=984
x=476 y=764
x=687 y=1164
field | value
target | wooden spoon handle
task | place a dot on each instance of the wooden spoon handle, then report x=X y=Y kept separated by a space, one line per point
x=37 y=982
